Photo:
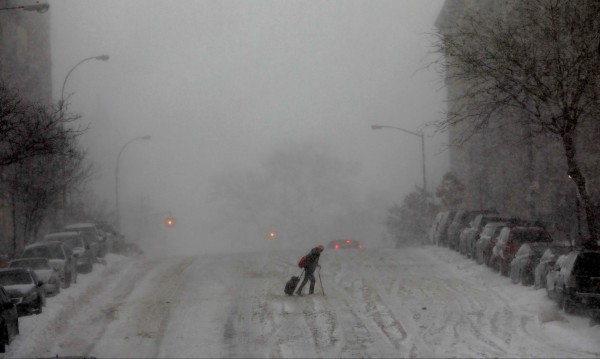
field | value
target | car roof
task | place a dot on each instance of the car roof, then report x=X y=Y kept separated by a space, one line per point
x=80 y=225
x=29 y=259
x=527 y=229
x=62 y=234
x=19 y=269
x=44 y=244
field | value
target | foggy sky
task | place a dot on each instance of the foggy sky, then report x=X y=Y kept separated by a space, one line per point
x=218 y=84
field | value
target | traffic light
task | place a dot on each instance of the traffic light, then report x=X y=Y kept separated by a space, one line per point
x=170 y=222
x=272 y=235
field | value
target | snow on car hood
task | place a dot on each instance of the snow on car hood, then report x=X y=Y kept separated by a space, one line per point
x=58 y=264
x=18 y=290
x=44 y=274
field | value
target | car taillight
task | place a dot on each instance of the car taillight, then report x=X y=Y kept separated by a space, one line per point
x=337 y=246
x=360 y=246
x=347 y=241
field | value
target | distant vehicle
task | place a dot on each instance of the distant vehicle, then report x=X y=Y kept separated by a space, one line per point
x=89 y=231
x=59 y=256
x=547 y=262
x=9 y=320
x=109 y=234
x=575 y=281
x=45 y=273
x=526 y=259
x=82 y=250
x=344 y=243
x=24 y=289
x=509 y=241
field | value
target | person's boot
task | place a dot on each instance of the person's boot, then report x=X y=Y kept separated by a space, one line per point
x=299 y=293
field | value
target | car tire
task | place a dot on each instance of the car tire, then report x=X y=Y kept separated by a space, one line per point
x=566 y=303
x=89 y=266
x=4 y=339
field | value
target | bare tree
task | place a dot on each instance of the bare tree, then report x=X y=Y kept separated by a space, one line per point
x=531 y=63
x=29 y=129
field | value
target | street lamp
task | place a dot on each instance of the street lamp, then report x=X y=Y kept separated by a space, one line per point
x=62 y=91
x=422 y=136
x=118 y=223
x=41 y=8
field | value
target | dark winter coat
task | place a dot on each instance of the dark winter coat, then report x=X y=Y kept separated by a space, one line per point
x=312 y=260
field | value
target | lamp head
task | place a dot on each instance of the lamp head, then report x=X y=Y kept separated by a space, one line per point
x=102 y=57
x=147 y=137
x=375 y=127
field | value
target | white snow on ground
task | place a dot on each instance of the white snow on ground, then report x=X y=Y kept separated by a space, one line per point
x=408 y=302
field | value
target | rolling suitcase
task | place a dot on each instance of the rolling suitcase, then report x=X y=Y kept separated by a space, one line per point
x=291 y=284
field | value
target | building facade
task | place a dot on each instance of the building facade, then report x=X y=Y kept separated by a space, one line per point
x=25 y=64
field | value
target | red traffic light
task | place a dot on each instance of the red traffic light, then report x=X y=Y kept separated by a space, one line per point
x=170 y=222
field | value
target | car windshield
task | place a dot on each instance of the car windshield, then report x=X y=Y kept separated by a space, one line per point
x=71 y=242
x=15 y=278
x=30 y=263
x=50 y=252
x=587 y=264
x=528 y=236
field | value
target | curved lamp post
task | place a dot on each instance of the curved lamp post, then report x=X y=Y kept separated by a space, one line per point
x=118 y=221
x=422 y=136
x=62 y=91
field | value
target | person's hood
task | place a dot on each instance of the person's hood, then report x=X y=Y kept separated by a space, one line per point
x=19 y=290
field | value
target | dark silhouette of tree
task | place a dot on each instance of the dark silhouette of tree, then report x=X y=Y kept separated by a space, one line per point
x=531 y=63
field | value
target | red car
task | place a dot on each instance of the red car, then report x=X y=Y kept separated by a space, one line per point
x=344 y=243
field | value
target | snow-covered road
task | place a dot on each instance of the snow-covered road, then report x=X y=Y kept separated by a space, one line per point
x=411 y=302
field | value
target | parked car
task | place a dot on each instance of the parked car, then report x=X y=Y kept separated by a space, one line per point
x=82 y=250
x=526 y=259
x=575 y=281
x=89 y=231
x=509 y=241
x=344 y=243
x=470 y=235
x=24 y=289
x=461 y=220
x=9 y=320
x=487 y=241
x=109 y=234
x=441 y=233
x=547 y=262
x=45 y=273
x=59 y=256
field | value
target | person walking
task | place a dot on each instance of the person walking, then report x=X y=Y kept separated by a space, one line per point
x=312 y=262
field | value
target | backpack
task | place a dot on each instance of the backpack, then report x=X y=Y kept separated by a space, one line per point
x=302 y=262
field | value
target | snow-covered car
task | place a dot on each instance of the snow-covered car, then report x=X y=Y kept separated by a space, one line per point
x=45 y=273
x=547 y=262
x=526 y=259
x=82 y=251
x=59 y=256
x=510 y=240
x=487 y=241
x=92 y=234
x=9 y=320
x=24 y=289
x=344 y=243
x=470 y=235
x=575 y=280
